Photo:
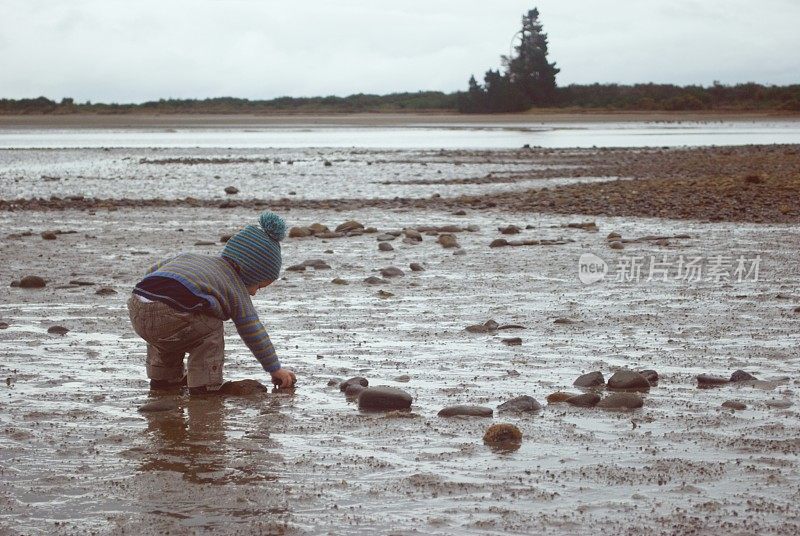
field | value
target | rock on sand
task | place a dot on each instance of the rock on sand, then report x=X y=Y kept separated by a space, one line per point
x=520 y=404
x=356 y=380
x=628 y=380
x=621 y=401
x=586 y=400
x=466 y=411
x=384 y=398
x=590 y=379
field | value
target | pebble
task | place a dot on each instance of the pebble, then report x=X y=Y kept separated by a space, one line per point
x=621 y=401
x=628 y=379
x=355 y=380
x=447 y=241
x=591 y=379
x=502 y=435
x=317 y=264
x=49 y=235
x=742 y=376
x=734 y=404
x=616 y=245
x=296 y=268
x=707 y=380
x=392 y=271
x=613 y=235
x=498 y=243
x=374 y=280
x=57 y=330
x=459 y=252
x=3 y=325
x=586 y=400
x=231 y=190
x=511 y=229
x=559 y=396
x=162 y=404
x=512 y=341
x=403 y=378
x=31 y=281
x=565 y=321
x=384 y=398
x=416 y=267
x=466 y=411
x=242 y=387
x=205 y=243
x=349 y=226
x=779 y=404
x=105 y=291
x=339 y=281
x=317 y=228
x=385 y=246
x=386 y=237
x=520 y=404
x=413 y=234
x=385 y=294
x=334 y=382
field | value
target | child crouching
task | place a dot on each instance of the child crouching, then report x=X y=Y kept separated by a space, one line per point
x=180 y=305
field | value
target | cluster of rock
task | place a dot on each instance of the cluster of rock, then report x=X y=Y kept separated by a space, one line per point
x=625 y=383
x=411 y=235
x=615 y=240
x=502 y=242
x=318 y=230
x=316 y=264
x=710 y=380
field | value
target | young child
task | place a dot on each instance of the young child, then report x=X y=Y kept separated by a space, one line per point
x=180 y=305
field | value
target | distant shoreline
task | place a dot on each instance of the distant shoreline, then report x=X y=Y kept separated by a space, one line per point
x=366 y=120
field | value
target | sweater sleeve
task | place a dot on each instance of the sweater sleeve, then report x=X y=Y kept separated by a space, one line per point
x=255 y=336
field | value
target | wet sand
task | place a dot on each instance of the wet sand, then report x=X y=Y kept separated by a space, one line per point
x=77 y=457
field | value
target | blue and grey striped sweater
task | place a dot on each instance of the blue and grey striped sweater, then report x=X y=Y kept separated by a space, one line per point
x=215 y=280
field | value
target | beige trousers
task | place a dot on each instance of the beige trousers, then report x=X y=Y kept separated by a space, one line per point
x=170 y=334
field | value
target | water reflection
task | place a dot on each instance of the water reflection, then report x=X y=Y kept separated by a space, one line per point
x=193 y=441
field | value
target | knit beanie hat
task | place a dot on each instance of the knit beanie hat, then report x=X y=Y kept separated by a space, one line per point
x=256 y=249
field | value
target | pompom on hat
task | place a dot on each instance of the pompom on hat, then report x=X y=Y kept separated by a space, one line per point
x=257 y=249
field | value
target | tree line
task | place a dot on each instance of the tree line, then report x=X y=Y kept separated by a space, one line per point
x=527 y=81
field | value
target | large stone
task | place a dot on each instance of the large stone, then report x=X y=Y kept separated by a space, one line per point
x=385 y=246
x=349 y=226
x=384 y=398
x=586 y=400
x=628 y=380
x=31 y=281
x=502 y=434
x=621 y=401
x=466 y=411
x=244 y=387
x=357 y=379
x=742 y=376
x=299 y=232
x=520 y=404
x=590 y=379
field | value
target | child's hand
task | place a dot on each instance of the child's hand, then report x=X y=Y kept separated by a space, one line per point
x=283 y=378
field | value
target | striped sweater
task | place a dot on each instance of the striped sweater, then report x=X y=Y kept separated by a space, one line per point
x=216 y=281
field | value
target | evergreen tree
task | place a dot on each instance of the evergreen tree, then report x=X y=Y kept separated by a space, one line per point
x=528 y=70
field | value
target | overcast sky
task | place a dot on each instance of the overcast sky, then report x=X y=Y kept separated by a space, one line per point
x=131 y=51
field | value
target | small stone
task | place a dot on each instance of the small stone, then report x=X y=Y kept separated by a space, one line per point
x=742 y=376
x=413 y=234
x=349 y=226
x=339 y=281
x=355 y=380
x=353 y=390
x=205 y=243
x=327 y=163
x=650 y=375
x=613 y=236
x=779 y=404
x=385 y=246
x=81 y=283
x=590 y=379
x=621 y=401
x=384 y=398
x=416 y=267
x=31 y=281
x=498 y=243
x=511 y=229
x=520 y=404
x=57 y=330
x=707 y=380
x=466 y=411
x=489 y=325
x=392 y=271
x=374 y=280
x=502 y=435
x=628 y=380
x=616 y=245
x=403 y=378
x=512 y=341
x=49 y=235
x=461 y=212
x=105 y=291
x=3 y=325
x=231 y=190
x=459 y=252
x=334 y=382
x=385 y=237
x=224 y=238
x=242 y=388
x=734 y=405
x=559 y=396
x=447 y=241
x=317 y=264
x=161 y=404
x=296 y=268
x=586 y=400
x=565 y=321
x=299 y=232
x=385 y=294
